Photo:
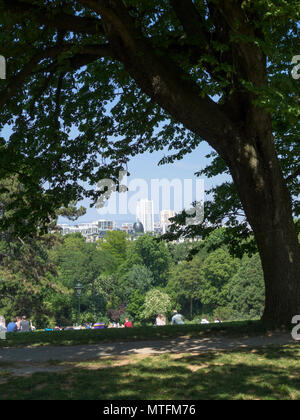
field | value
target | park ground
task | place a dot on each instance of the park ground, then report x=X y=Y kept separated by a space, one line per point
x=214 y=365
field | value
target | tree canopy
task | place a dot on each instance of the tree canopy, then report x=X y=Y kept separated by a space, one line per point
x=147 y=251
x=67 y=69
x=114 y=78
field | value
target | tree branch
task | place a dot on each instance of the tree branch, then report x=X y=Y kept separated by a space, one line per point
x=83 y=56
x=161 y=78
x=60 y=20
x=191 y=20
x=18 y=80
x=293 y=175
x=7 y=296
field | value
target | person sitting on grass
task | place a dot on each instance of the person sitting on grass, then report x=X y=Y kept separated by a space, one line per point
x=127 y=323
x=12 y=326
x=18 y=323
x=177 y=319
x=205 y=321
x=25 y=325
x=160 y=320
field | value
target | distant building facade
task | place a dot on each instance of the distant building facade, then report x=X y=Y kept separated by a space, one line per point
x=106 y=225
x=145 y=214
x=127 y=227
x=90 y=231
x=157 y=228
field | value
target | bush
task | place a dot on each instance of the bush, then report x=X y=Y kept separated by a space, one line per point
x=91 y=318
x=136 y=306
x=156 y=302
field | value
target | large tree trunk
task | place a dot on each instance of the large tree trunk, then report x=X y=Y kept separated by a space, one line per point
x=267 y=204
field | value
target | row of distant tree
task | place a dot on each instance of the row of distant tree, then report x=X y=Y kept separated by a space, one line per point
x=121 y=278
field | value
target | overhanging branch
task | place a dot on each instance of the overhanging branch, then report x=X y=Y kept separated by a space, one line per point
x=59 y=20
x=82 y=56
x=191 y=20
x=294 y=175
x=15 y=83
x=160 y=77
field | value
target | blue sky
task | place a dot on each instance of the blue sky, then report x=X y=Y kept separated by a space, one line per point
x=146 y=167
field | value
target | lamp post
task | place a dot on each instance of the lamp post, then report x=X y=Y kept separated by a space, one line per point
x=78 y=288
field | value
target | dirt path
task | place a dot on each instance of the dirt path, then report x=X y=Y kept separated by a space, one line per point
x=179 y=345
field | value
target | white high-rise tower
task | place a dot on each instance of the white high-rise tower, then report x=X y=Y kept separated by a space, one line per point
x=145 y=214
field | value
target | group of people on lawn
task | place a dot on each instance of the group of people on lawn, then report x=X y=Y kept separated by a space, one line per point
x=177 y=319
x=161 y=320
x=95 y=326
x=21 y=324
x=100 y=325
x=18 y=324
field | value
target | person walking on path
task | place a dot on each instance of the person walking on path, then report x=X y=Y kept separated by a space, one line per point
x=177 y=319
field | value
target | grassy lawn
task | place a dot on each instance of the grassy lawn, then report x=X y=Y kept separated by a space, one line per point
x=68 y=338
x=265 y=373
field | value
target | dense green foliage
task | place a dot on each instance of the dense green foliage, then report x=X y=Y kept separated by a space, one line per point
x=157 y=302
x=117 y=273
x=141 y=278
x=65 y=72
x=246 y=289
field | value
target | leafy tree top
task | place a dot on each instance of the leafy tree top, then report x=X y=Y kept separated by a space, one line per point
x=154 y=255
x=135 y=75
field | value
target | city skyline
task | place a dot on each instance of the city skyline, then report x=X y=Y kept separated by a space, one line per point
x=96 y=229
x=116 y=224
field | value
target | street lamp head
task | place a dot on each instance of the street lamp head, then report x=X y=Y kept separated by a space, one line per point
x=78 y=288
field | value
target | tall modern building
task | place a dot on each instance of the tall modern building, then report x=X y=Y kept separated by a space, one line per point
x=165 y=216
x=145 y=214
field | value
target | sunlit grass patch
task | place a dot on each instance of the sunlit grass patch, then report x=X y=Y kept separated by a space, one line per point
x=264 y=373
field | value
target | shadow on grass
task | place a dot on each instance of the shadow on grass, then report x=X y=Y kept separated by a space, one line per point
x=278 y=353
x=232 y=375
